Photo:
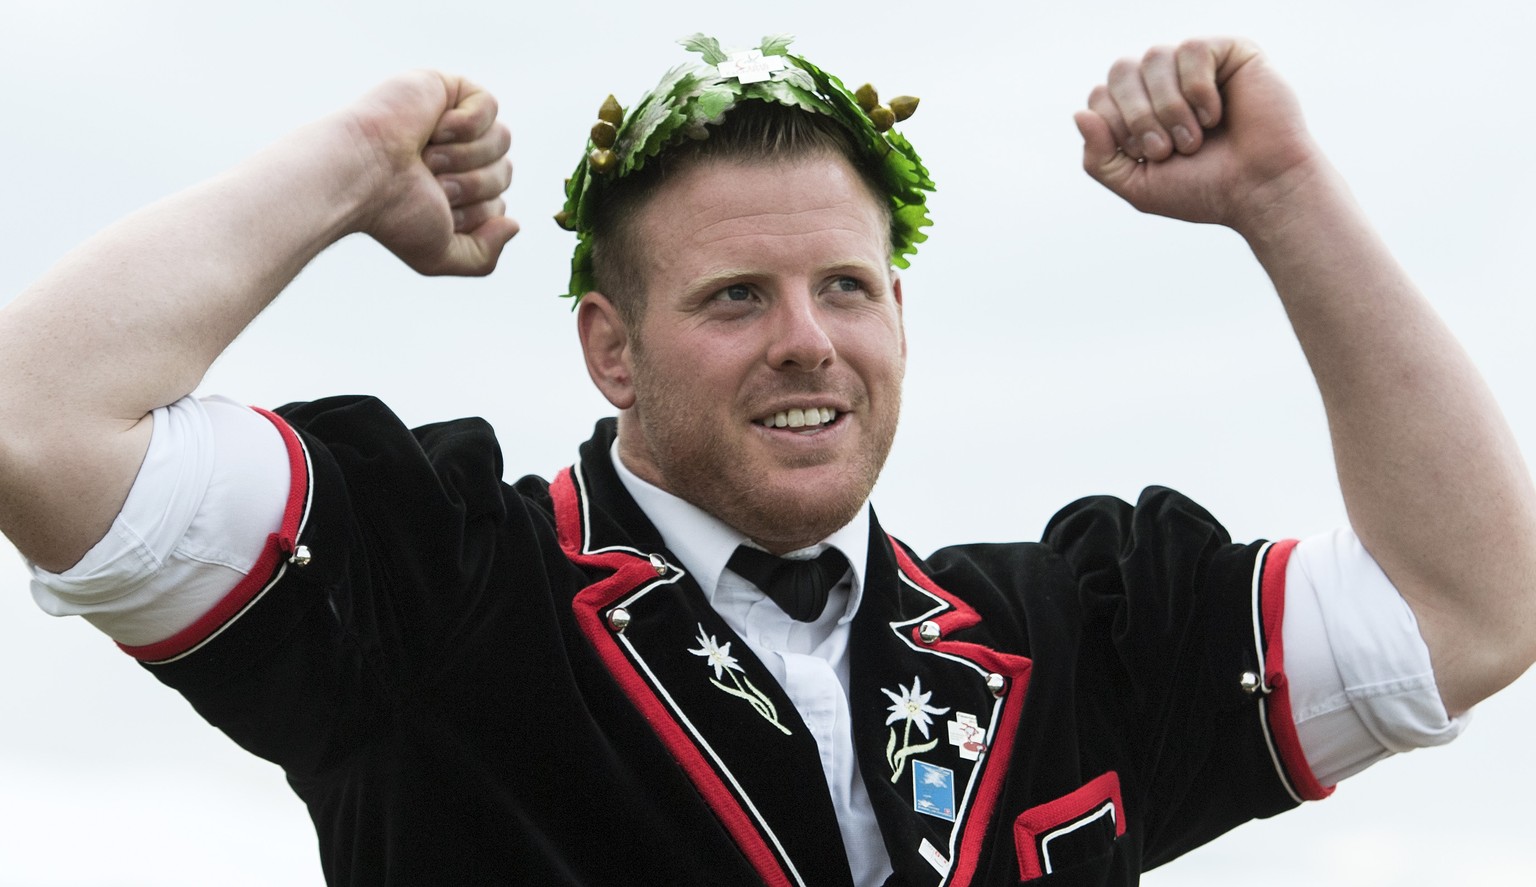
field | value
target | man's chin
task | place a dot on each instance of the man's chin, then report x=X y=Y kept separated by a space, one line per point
x=784 y=519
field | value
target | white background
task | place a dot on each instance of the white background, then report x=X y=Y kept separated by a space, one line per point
x=1100 y=349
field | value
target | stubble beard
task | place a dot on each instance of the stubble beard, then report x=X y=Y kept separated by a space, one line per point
x=696 y=463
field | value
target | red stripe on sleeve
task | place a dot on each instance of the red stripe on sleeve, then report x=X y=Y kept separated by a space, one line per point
x=1282 y=726
x=279 y=545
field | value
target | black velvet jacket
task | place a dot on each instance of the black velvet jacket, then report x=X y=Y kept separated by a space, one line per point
x=471 y=682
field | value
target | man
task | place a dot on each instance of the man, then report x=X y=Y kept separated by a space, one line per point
x=398 y=612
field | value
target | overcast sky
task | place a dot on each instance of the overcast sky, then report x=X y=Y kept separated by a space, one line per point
x=1061 y=343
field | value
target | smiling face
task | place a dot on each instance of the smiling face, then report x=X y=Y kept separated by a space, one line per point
x=762 y=379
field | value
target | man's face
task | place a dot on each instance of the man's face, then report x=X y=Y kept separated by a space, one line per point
x=769 y=302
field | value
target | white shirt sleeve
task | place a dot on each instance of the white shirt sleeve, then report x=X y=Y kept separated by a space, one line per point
x=211 y=489
x=1360 y=679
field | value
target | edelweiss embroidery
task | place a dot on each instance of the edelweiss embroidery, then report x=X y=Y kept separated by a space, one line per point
x=719 y=656
x=910 y=706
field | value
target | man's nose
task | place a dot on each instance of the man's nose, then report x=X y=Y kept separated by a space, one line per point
x=800 y=338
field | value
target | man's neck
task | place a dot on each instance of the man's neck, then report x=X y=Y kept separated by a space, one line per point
x=704 y=542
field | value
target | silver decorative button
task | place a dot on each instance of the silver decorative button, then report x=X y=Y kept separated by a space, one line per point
x=659 y=565
x=1252 y=684
x=618 y=619
x=928 y=631
x=997 y=684
x=301 y=556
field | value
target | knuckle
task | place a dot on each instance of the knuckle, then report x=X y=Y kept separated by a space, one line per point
x=1193 y=53
x=1194 y=46
x=1124 y=67
x=492 y=106
x=1143 y=121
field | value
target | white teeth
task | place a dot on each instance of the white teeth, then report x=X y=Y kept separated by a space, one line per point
x=800 y=418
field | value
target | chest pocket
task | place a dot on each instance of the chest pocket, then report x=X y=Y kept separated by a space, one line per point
x=1071 y=840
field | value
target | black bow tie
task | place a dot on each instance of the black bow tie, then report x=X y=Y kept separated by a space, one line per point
x=799 y=587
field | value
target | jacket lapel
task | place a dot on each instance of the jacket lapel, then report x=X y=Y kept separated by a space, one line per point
x=934 y=717
x=708 y=699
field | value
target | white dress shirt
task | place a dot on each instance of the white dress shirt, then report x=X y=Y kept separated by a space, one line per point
x=809 y=659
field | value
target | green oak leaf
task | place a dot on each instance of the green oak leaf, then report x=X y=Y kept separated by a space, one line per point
x=708 y=47
x=797 y=77
x=712 y=103
x=777 y=44
x=786 y=93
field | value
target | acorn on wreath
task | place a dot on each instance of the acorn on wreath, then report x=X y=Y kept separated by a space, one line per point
x=884 y=116
x=604 y=133
x=601 y=159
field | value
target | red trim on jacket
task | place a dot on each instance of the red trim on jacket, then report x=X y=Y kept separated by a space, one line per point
x=1012 y=667
x=1282 y=726
x=1076 y=807
x=630 y=572
x=266 y=569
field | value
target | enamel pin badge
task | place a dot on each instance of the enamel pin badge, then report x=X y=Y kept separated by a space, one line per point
x=933 y=790
x=968 y=736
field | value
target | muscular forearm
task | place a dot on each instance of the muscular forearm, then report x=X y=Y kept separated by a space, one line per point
x=1434 y=482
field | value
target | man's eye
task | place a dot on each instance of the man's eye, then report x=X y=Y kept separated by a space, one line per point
x=738 y=292
x=847 y=285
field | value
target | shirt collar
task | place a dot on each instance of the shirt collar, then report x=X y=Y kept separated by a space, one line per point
x=704 y=542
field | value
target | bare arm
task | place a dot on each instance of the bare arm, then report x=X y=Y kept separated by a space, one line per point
x=131 y=320
x=1434 y=482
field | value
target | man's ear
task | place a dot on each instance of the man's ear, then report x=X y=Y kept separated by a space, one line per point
x=896 y=294
x=605 y=346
